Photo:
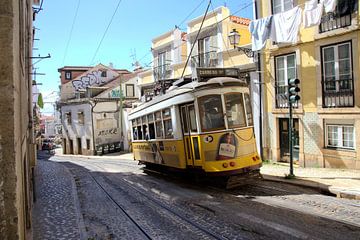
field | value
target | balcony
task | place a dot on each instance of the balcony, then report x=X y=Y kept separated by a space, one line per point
x=282 y=97
x=338 y=93
x=208 y=59
x=162 y=72
x=332 y=21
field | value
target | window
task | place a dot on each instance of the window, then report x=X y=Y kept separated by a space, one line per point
x=337 y=75
x=168 y=130
x=158 y=125
x=235 y=112
x=211 y=113
x=67 y=75
x=129 y=90
x=249 y=115
x=68 y=117
x=204 y=52
x=103 y=73
x=192 y=117
x=285 y=68
x=279 y=6
x=81 y=118
x=151 y=126
x=88 y=144
x=134 y=131
x=340 y=136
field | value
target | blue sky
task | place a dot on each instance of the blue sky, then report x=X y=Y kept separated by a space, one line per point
x=128 y=37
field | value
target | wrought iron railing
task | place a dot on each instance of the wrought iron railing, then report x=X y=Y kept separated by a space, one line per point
x=162 y=72
x=332 y=21
x=282 y=97
x=207 y=59
x=338 y=93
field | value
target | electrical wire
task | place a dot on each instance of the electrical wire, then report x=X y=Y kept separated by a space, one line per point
x=107 y=28
x=197 y=35
x=191 y=13
x=71 y=31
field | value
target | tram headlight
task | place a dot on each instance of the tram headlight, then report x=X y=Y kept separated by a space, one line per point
x=225 y=165
x=232 y=164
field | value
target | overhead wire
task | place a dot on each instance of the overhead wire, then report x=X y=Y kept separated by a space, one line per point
x=197 y=35
x=107 y=28
x=71 y=31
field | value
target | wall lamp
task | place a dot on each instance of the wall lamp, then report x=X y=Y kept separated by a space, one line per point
x=234 y=39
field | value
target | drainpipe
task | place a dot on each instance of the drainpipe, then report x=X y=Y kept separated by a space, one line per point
x=258 y=68
x=92 y=125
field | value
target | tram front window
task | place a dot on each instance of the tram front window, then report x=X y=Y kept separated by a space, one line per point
x=235 y=111
x=211 y=113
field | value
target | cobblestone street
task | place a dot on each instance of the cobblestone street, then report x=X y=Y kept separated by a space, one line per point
x=55 y=214
x=117 y=200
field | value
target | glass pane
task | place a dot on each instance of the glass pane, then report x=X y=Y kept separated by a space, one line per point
x=348 y=137
x=235 y=111
x=291 y=73
x=166 y=113
x=344 y=51
x=168 y=129
x=151 y=117
x=280 y=62
x=159 y=129
x=184 y=120
x=329 y=69
x=291 y=61
x=280 y=77
x=248 y=109
x=344 y=66
x=288 y=4
x=192 y=118
x=143 y=119
x=158 y=115
x=211 y=113
x=329 y=54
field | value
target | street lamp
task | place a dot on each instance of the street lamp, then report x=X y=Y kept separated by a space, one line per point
x=234 y=39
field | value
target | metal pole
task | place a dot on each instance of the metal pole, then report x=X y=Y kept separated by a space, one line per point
x=291 y=139
x=258 y=68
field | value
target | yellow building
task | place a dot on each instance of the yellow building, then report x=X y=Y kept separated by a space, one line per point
x=327 y=117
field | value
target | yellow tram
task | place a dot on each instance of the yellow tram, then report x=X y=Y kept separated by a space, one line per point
x=204 y=126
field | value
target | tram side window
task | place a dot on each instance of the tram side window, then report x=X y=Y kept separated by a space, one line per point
x=167 y=123
x=145 y=128
x=235 y=111
x=134 y=130
x=248 y=109
x=158 y=125
x=139 y=129
x=211 y=113
x=151 y=126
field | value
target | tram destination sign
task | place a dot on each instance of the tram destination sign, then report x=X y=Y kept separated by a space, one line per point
x=203 y=74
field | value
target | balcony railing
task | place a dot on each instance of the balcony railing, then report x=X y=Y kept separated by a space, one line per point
x=282 y=97
x=162 y=72
x=208 y=59
x=338 y=93
x=332 y=21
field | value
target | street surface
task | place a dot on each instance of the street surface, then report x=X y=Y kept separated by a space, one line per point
x=118 y=200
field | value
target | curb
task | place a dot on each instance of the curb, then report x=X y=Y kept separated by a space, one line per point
x=338 y=192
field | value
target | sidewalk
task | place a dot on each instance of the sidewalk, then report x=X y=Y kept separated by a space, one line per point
x=344 y=183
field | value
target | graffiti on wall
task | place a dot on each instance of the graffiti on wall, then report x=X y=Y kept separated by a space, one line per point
x=89 y=80
x=107 y=132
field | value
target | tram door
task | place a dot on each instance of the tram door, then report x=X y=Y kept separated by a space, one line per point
x=191 y=142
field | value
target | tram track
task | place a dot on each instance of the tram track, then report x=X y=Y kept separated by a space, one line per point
x=182 y=219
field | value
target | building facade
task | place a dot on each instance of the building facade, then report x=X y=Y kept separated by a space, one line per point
x=17 y=144
x=327 y=117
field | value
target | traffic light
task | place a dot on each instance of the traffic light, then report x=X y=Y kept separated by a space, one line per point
x=293 y=90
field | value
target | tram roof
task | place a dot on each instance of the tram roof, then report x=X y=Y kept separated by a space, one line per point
x=191 y=87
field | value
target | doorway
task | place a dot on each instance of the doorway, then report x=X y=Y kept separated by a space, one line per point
x=191 y=143
x=79 y=150
x=284 y=139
